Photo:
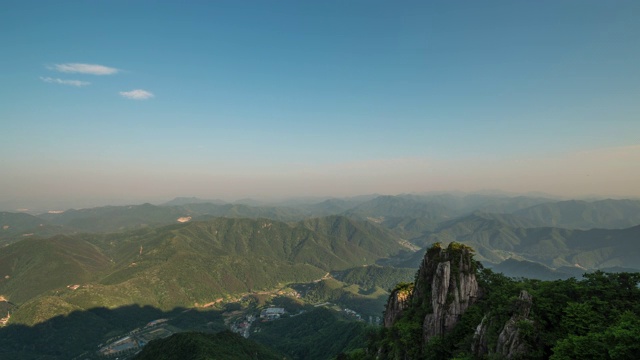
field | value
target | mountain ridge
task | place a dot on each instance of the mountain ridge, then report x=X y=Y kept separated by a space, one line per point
x=184 y=264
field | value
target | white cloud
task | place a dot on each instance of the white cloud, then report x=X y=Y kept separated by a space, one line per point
x=137 y=94
x=77 y=83
x=92 y=69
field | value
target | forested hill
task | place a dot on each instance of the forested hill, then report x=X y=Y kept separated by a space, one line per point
x=199 y=346
x=496 y=239
x=182 y=264
x=457 y=310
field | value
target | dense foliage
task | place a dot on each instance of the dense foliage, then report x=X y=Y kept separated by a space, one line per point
x=597 y=317
x=200 y=346
x=315 y=335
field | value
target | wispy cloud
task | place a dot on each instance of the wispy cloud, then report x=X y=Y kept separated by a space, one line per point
x=137 y=94
x=92 y=69
x=76 y=83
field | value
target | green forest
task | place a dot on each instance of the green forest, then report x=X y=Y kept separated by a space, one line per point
x=224 y=345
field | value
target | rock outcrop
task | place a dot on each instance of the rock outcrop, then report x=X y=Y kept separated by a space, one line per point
x=510 y=343
x=447 y=279
x=479 y=346
x=398 y=301
x=445 y=287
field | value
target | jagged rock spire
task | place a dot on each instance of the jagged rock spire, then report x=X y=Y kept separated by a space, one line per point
x=445 y=285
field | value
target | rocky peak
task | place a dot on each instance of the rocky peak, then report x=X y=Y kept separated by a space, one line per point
x=450 y=285
x=398 y=301
x=510 y=343
x=445 y=287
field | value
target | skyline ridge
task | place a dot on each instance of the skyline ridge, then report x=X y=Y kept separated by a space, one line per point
x=38 y=207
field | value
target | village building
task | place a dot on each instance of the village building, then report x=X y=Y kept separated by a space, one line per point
x=271 y=313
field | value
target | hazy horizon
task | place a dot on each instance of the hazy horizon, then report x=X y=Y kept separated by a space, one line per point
x=43 y=205
x=119 y=102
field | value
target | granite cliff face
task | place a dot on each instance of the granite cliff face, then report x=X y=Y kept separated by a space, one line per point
x=445 y=287
x=453 y=287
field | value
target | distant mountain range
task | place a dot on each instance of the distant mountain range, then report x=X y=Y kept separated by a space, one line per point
x=497 y=238
x=573 y=214
x=410 y=215
x=190 y=251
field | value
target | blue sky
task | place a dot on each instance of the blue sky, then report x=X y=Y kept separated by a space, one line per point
x=113 y=101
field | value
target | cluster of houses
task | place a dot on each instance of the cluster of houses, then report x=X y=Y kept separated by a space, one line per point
x=352 y=313
x=243 y=326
